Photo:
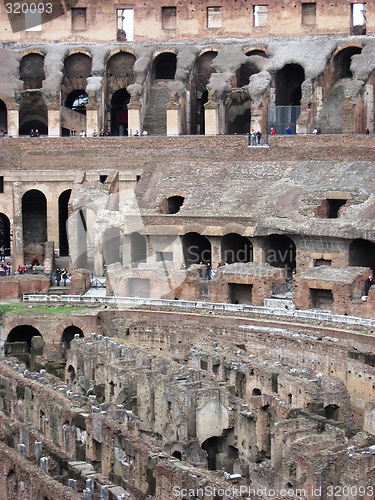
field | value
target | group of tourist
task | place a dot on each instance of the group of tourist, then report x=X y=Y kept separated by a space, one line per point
x=5 y=269
x=61 y=275
x=34 y=133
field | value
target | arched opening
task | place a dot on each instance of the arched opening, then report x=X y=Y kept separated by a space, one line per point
x=342 y=62
x=12 y=485
x=23 y=334
x=245 y=71
x=203 y=70
x=288 y=87
x=3 y=117
x=120 y=74
x=128 y=398
x=77 y=68
x=34 y=223
x=236 y=248
x=68 y=335
x=77 y=101
x=71 y=375
x=362 y=254
x=63 y=218
x=33 y=114
x=212 y=446
x=113 y=241
x=174 y=203
x=288 y=81
x=332 y=412
x=196 y=249
x=177 y=454
x=119 y=112
x=32 y=71
x=164 y=66
x=5 y=234
x=138 y=249
x=238 y=112
x=280 y=251
x=256 y=392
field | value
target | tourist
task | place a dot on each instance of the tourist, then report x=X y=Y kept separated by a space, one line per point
x=288 y=130
x=368 y=284
x=95 y=133
x=64 y=275
x=253 y=137
x=32 y=133
x=58 y=276
x=258 y=136
x=82 y=133
x=273 y=131
x=73 y=132
x=102 y=133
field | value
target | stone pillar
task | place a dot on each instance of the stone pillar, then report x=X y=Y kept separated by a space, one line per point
x=211 y=118
x=126 y=252
x=98 y=254
x=150 y=249
x=134 y=117
x=258 y=253
x=369 y=103
x=53 y=219
x=17 y=241
x=256 y=117
x=92 y=121
x=178 y=254
x=54 y=123
x=215 y=250
x=173 y=119
x=13 y=122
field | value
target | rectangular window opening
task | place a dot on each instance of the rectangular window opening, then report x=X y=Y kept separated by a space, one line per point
x=214 y=19
x=321 y=299
x=322 y=262
x=358 y=15
x=1 y=184
x=309 y=14
x=260 y=15
x=33 y=21
x=169 y=18
x=79 y=19
x=125 y=25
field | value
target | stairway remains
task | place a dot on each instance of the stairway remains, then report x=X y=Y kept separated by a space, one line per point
x=155 y=120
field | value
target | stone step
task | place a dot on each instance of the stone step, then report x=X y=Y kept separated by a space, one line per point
x=155 y=120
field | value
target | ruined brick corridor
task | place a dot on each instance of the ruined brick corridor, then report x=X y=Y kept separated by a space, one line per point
x=158 y=402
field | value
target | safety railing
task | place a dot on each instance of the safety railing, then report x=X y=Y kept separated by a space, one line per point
x=317 y=315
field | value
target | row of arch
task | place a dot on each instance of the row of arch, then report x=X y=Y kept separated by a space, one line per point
x=279 y=250
x=120 y=74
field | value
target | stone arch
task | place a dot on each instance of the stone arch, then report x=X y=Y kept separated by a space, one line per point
x=32 y=70
x=119 y=75
x=12 y=484
x=332 y=411
x=71 y=374
x=248 y=68
x=23 y=334
x=196 y=249
x=63 y=218
x=113 y=241
x=33 y=113
x=288 y=81
x=3 y=116
x=342 y=60
x=238 y=111
x=172 y=204
x=362 y=253
x=119 y=112
x=280 y=251
x=34 y=224
x=201 y=75
x=164 y=66
x=138 y=247
x=5 y=240
x=76 y=71
x=256 y=392
x=220 y=454
x=68 y=335
x=236 y=248
x=79 y=325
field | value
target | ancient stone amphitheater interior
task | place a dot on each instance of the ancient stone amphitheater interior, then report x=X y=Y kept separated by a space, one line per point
x=205 y=173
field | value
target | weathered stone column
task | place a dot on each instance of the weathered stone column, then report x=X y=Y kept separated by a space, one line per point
x=211 y=118
x=92 y=121
x=134 y=117
x=215 y=250
x=13 y=122
x=17 y=241
x=173 y=119
x=54 y=123
x=369 y=105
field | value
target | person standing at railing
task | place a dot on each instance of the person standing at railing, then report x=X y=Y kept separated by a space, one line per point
x=64 y=275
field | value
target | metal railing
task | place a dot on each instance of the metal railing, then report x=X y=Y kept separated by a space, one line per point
x=212 y=306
